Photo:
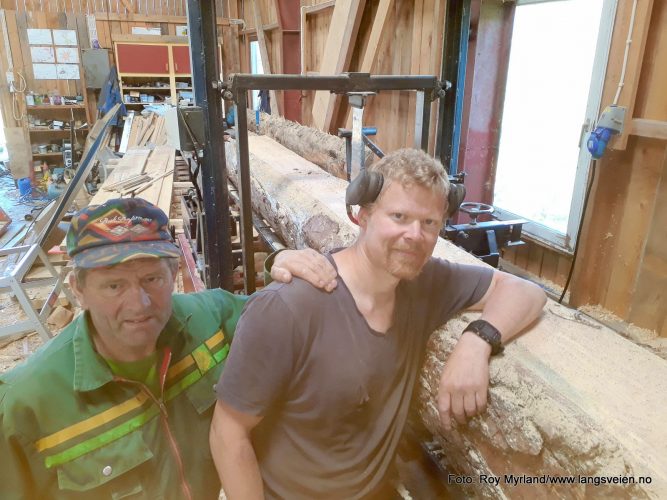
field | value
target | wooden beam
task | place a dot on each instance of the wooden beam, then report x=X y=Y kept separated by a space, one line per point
x=311 y=9
x=654 y=129
x=302 y=41
x=128 y=5
x=633 y=69
x=377 y=31
x=337 y=53
x=264 y=54
x=148 y=38
x=267 y=27
x=645 y=174
x=105 y=16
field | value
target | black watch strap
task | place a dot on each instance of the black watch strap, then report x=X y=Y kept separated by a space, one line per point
x=486 y=331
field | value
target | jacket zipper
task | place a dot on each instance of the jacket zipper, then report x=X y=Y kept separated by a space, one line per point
x=164 y=417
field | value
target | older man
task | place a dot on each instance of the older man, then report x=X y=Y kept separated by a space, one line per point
x=315 y=393
x=119 y=404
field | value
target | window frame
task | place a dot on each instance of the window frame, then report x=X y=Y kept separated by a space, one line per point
x=535 y=230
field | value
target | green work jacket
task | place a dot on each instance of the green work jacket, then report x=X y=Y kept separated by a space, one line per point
x=71 y=429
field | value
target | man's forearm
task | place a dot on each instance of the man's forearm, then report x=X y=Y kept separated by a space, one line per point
x=237 y=465
x=513 y=305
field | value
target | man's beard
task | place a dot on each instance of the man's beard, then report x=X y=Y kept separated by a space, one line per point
x=405 y=266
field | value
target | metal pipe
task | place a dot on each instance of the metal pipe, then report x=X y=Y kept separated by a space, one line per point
x=339 y=84
x=203 y=51
x=242 y=152
x=422 y=120
x=454 y=61
x=358 y=150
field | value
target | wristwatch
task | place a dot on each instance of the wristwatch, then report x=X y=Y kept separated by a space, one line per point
x=487 y=332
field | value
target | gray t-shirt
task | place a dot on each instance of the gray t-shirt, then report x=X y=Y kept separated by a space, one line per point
x=334 y=393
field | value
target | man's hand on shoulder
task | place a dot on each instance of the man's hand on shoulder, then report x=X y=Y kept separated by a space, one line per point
x=465 y=381
x=308 y=265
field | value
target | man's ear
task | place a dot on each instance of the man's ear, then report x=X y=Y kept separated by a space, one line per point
x=76 y=288
x=362 y=216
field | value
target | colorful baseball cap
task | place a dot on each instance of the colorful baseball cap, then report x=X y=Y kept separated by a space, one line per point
x=119 y=230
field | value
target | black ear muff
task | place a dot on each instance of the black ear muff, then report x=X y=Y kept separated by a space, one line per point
x=364 y=189
x=457 y=193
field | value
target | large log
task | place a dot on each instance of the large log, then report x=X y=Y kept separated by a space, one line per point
x=568 y=398
x=324 y=150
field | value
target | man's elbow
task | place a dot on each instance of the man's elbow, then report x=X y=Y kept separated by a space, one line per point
x=534 y=295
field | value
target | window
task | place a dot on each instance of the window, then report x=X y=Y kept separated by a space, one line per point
x=256 y=69
x=555 y=76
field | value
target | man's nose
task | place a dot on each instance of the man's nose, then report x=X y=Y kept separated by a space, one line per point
x=414 y=230
x=137 y=296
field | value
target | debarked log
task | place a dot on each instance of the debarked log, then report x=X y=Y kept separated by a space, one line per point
x=324 y=150
x=568 y=399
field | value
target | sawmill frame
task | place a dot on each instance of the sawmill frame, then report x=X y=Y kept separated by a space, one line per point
x=428 y=89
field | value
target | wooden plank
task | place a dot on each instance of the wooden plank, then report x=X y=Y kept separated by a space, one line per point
x=377 y=32
x=302 y=40
x=20 y=155
x=128 y=5
x=153 y=18
x=628 y=93
x=264 y=54
x=522 y=253
x=312 y=9
x=646 y=172
x=535 y=260
x=655 y=129
x=337 y=53
x=127 y=37
x=549 y=265
x=649 y=303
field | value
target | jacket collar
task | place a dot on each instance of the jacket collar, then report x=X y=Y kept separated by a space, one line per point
x=91 y=371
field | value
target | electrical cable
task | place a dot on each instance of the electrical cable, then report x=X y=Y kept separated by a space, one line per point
x=581 y=225
x=628 y=41
x=15 y=109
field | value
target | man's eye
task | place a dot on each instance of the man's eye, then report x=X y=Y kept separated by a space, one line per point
x=397 y=216
x=113 y=286
x=429 y=222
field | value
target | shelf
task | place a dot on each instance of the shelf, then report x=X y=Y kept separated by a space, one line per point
x=52 y=131
x=60 y=153
x=56 y=106
x=147 y=88
x=145 y=103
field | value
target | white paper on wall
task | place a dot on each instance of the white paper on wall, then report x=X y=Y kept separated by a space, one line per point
x=64 y=37
x=42 y=54
x=67 y=55
x=39 y=37
x=45 y=71
x=142 y=30
x=68 y=71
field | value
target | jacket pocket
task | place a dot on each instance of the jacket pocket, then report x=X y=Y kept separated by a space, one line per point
x=202 y=393
x=113 y=470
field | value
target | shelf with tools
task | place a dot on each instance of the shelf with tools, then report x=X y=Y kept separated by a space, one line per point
x=56 y=130
x=154 y=73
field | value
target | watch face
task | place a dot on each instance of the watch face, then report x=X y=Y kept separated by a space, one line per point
x=489 y=333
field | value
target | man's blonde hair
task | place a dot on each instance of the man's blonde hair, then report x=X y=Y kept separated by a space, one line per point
x=412 y=167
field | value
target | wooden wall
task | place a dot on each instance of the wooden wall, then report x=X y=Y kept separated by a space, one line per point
x=410 y=43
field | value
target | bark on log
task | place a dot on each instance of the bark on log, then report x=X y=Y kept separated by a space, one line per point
x=568 y=398
x=324 y=150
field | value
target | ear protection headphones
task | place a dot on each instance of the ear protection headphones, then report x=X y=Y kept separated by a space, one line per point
x=366 y=187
